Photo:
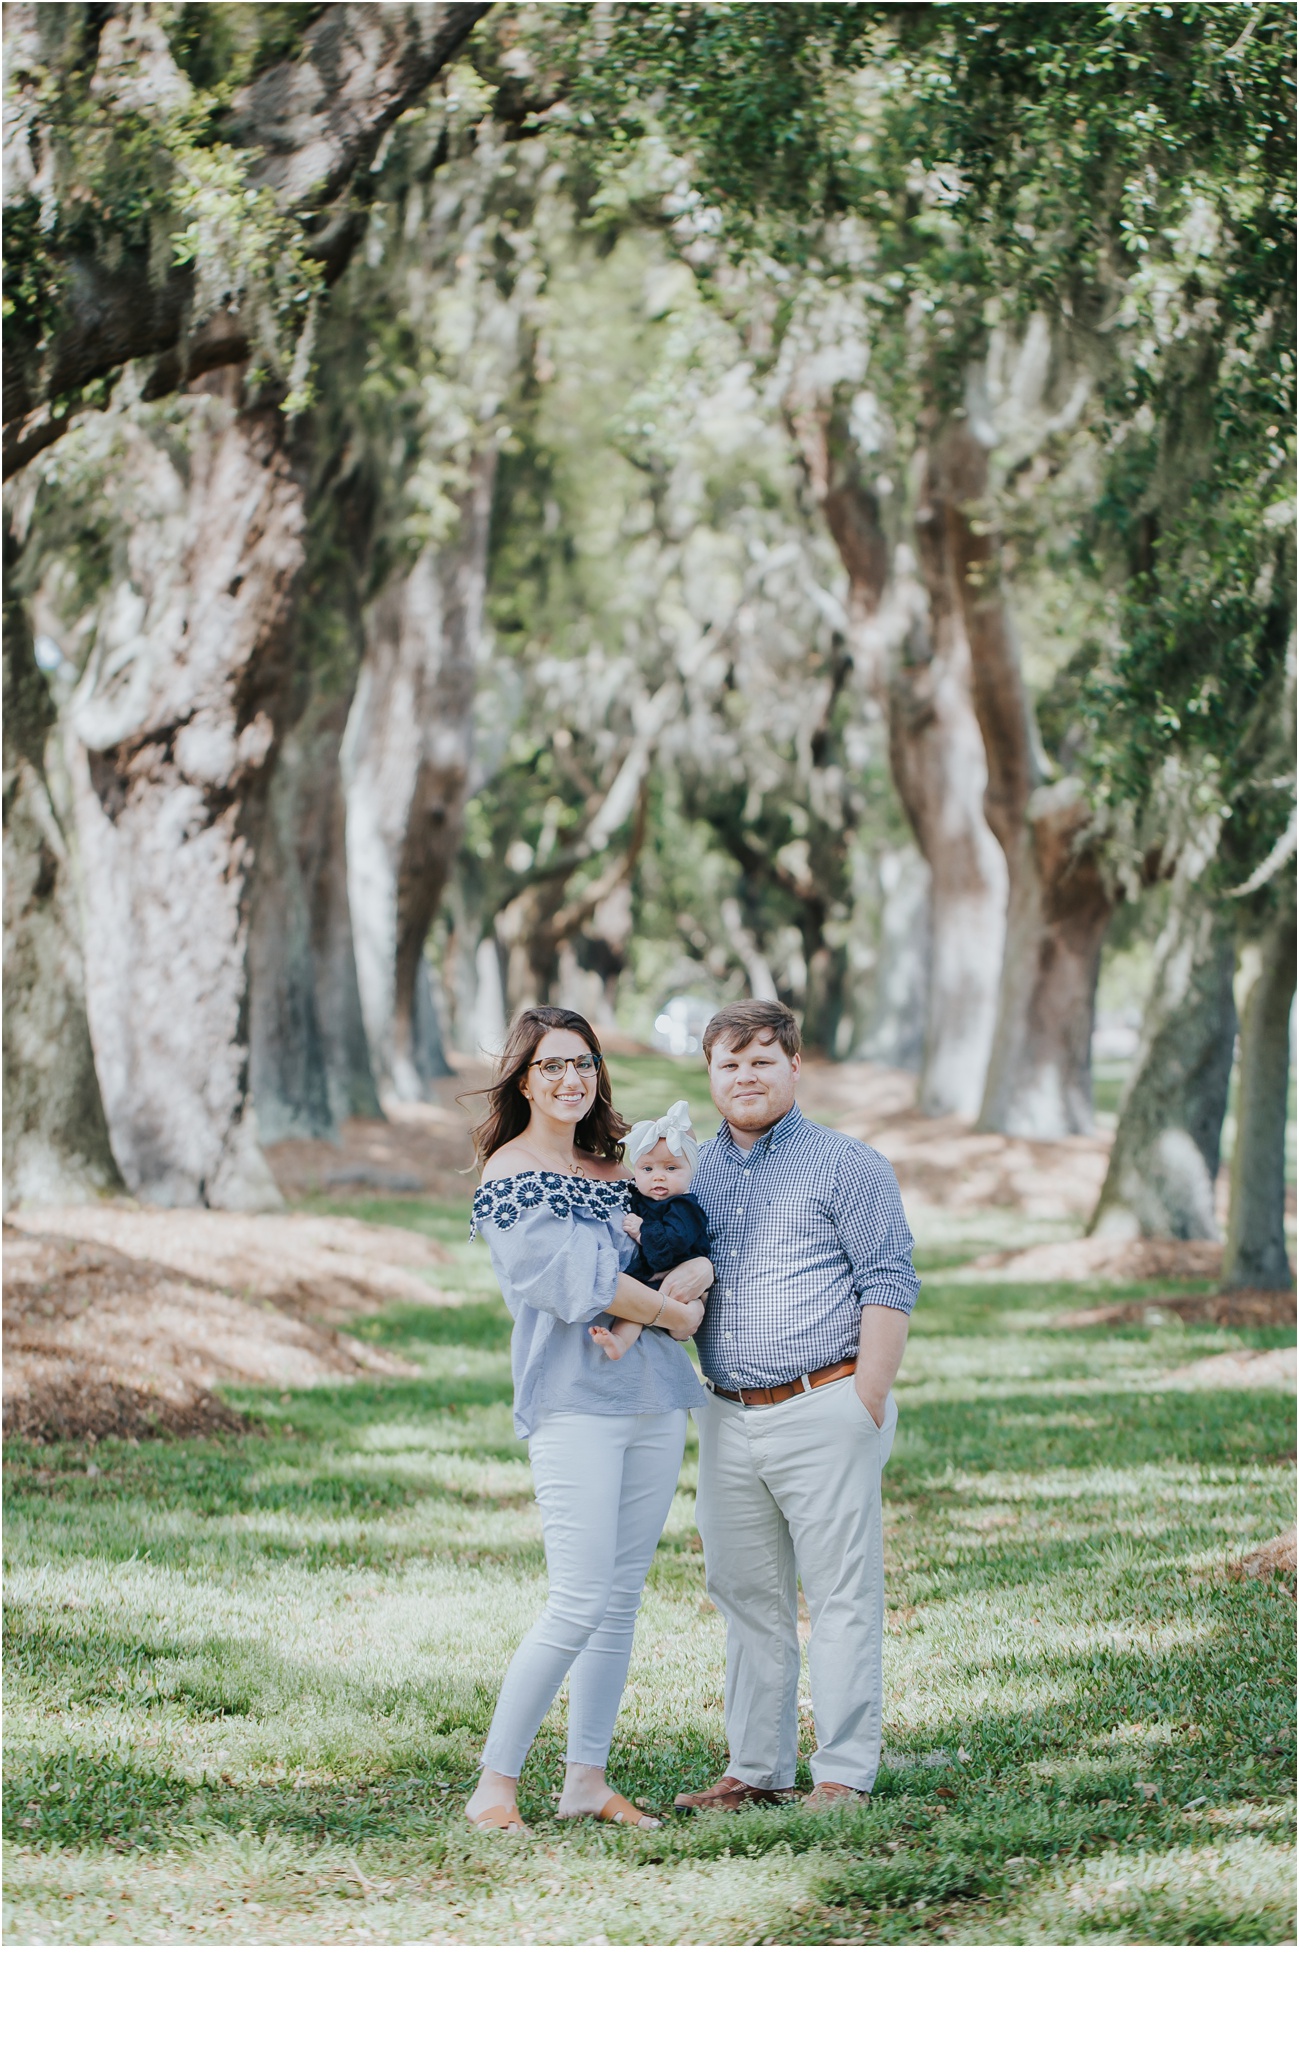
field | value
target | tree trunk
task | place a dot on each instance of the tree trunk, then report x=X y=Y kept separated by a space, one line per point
x=940 y=772
x=525 y=931
x=174 y=722
x=310 y=1061
x=406 y=758
x=490 y=1020
x=1256 y=1249
x=56 y=1146
x=748 y=952
x=1164 y=1162
x=894 y=1030
x=601 y=948
x=1039 y=1074
x=909 y=643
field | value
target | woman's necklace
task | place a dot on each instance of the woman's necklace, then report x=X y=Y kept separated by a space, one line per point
x=571 y=1170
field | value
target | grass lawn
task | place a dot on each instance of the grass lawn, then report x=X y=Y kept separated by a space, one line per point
x=248 y=1677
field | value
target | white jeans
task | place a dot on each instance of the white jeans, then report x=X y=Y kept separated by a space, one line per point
x=604 y=1486
x=786 y=1492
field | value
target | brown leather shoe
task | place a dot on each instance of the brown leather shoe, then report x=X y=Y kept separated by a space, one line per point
x=828 y=1794
x=727 y=1796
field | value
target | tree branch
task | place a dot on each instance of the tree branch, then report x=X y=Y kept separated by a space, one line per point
x=311 y=122
x=316 y=116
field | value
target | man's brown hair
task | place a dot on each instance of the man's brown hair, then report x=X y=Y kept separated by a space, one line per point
x=740 y=1023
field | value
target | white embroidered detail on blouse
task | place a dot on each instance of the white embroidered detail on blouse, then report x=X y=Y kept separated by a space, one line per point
x=502 y=1202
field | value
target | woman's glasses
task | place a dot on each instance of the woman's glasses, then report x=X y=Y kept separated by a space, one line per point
x=554 y=1070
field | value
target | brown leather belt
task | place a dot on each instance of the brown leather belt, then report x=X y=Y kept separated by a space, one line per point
x=767 y=1397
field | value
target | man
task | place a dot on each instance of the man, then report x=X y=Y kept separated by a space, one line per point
x=804 y=1334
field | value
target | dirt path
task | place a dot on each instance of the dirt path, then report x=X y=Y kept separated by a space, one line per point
x=941 y=1162
x=121 y=1320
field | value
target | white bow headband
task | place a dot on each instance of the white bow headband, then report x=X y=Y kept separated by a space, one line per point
x=674 y=1128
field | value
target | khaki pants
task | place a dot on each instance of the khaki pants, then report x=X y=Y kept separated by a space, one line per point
x=789 y=1492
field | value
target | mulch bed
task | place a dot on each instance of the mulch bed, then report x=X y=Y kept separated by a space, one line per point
x=136 y=1339
x=1245 y=1308
x=90 y=1403
x=1274 y=1560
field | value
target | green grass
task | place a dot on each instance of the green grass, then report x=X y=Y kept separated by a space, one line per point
x=247 y=1679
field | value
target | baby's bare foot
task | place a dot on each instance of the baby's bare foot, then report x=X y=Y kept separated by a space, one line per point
x=612 y=1345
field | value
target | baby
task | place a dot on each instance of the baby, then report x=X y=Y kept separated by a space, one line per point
x=668 y=1224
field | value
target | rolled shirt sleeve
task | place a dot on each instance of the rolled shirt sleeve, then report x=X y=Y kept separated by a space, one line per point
x=872 y=1228
x=558 y=1268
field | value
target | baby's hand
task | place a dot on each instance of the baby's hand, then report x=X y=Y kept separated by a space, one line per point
x=631 y=1224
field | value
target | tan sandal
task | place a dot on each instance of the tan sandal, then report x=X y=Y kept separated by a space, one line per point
x=626 y=1815
x=504 y=1820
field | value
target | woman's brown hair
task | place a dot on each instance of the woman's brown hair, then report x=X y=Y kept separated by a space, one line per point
x=601 y=1131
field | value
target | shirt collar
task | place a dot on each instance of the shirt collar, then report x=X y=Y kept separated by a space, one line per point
x=777 y=1135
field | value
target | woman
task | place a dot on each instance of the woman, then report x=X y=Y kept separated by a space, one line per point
x=605 y=1440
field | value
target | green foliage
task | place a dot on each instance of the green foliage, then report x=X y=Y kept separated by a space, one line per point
x=753 y=95
x=1129 y=171
x=220 y=48
x=657 y=582
x=28 y=268
x=135 y=173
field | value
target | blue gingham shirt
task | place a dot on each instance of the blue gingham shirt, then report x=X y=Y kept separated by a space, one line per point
x=807 y=1229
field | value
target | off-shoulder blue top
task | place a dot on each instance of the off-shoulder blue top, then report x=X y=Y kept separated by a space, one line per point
x=557 y=1245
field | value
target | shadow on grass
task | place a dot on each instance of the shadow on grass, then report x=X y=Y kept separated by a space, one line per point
x=1041 y=1431
x=1132 y=1756
x=1116 y=1715
x=80 y=1801
x=988 y=1308
x=292 y=1486
x=476 y=1326
x=445 y=1387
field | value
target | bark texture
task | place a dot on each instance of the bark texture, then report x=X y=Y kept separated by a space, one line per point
x=1164 y=1162
x=1256 y=1251
x=56 y=1146
x=940 y=771
x=406 y=760
x=1039 y=1081
x=1039 y=1074
x=312 y=119
x=894 y=1030
x=174 y=724
x=909 y=642
x=310 y=1063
